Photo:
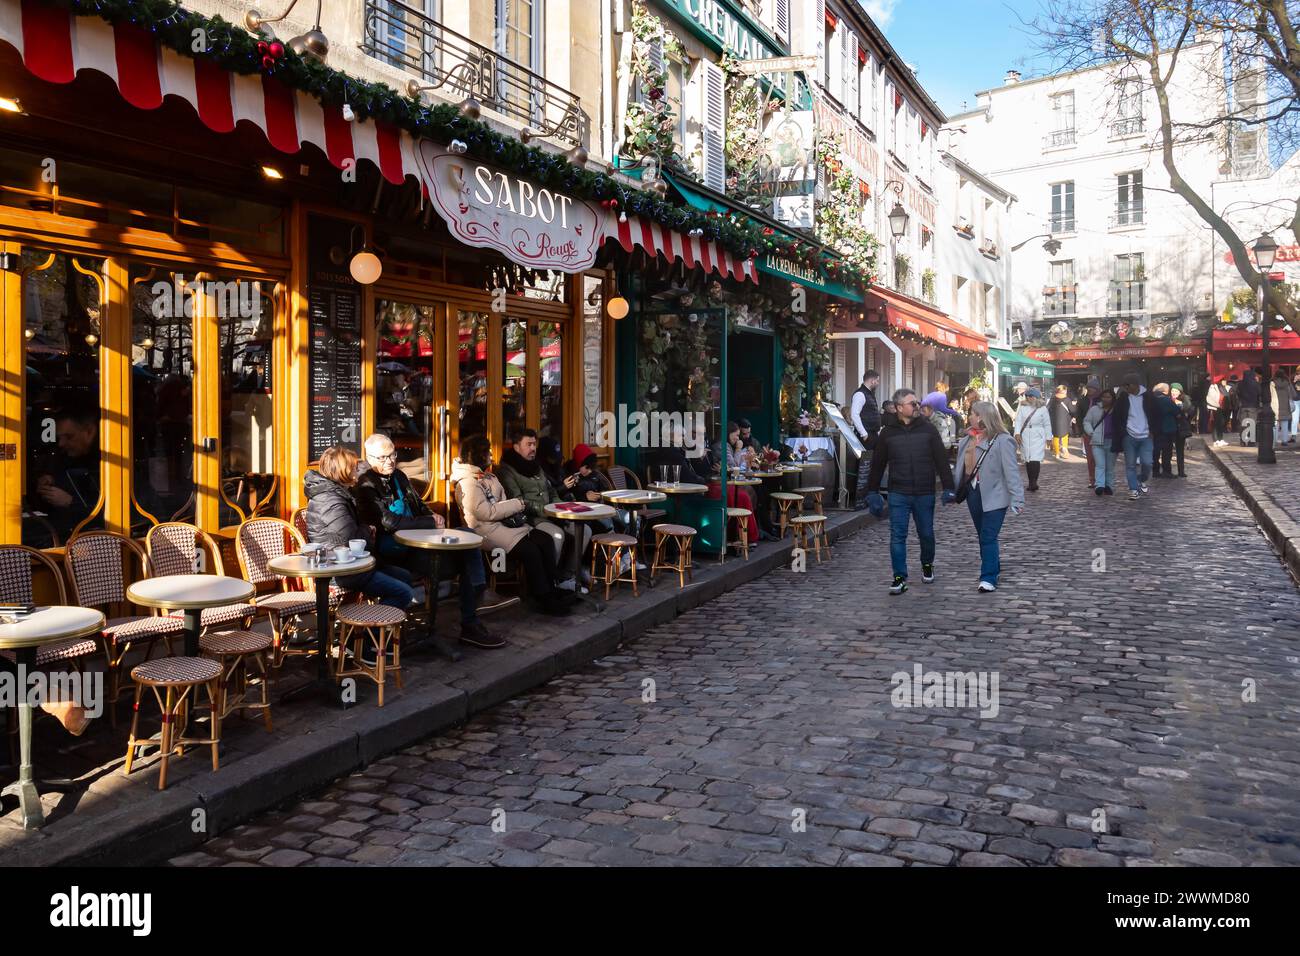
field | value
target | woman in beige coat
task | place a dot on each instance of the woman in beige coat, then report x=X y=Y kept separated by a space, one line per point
x=499 y=520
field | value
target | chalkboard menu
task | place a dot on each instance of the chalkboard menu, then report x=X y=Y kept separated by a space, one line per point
x=334 y=381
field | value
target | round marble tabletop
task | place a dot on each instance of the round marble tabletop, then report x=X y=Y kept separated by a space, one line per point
x=48 y=624
x=744 y=481
x=594 y=513
x=297 y=566
x=440 y=539
x=634 y=496
x=680 y=489
x=767 y=474
x=190 y=591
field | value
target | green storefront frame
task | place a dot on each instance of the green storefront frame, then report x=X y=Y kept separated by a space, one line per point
x=1015 y=365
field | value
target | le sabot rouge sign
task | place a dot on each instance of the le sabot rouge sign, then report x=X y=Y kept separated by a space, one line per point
x=486 y=206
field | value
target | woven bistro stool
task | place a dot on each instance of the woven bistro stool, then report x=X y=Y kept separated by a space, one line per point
x=784 y=502
x=173 y=680
x=379 y=624
x=810 y=534
x=681 y=535
x=736 y=517
x=611 y=548
x=233 y=650
x=815 y=493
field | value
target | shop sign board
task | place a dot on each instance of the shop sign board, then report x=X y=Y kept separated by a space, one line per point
x=488 y=207
x=788 y=168
x=723 y=26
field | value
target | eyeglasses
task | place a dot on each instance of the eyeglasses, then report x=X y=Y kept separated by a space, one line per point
x=901 y=404
x=383 y=458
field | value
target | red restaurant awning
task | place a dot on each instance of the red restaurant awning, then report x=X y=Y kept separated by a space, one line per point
x=904 y=313
x=1239 y=340
x=1119 y=352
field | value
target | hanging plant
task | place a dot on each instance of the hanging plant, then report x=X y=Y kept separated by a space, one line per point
x=839 y=222
x=649 y=123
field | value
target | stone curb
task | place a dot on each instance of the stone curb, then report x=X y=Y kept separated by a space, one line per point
x=163 y=826
x=1278 y=527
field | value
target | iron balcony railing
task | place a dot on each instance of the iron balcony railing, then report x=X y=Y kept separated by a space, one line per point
x=1128 y=214
x=446 y=62
x=1127 y=126
x=1127 y=296
x=1059 y=302
x=1060 y=137
x=1061 y=222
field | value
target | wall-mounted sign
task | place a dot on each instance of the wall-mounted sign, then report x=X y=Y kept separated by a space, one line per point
x=1121 y=352
x=723 y=26
x=491 y=208
x=788 y=168
x=863 y=157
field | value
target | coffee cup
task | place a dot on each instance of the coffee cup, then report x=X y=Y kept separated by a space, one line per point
x=342 y=554
x=358 y=545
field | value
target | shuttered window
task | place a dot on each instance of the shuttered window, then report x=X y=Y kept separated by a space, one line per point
x=713 y=90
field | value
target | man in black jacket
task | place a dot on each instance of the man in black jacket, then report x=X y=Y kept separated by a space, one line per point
x=1248 y=405
x=913 y=452
x=1133 y=426
x=386 y=501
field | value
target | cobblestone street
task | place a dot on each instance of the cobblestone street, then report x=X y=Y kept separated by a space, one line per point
x=772 y=738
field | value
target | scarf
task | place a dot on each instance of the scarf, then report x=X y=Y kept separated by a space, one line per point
x=529 y=469
x=977 y=435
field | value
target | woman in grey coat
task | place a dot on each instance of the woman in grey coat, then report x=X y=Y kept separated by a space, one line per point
x=988 y=453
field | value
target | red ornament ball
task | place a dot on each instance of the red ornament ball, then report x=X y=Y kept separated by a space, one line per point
x=277 y=49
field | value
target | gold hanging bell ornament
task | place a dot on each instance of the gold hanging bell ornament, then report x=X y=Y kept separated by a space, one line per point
x=470 y=108
x=578 y=156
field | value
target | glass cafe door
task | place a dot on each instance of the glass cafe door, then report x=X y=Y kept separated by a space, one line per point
x=409 y=404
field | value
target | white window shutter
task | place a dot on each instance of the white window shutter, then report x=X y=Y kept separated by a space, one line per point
x=656 y=55
x=783 y=20
x=850 y=70
x=715 y=126
x=819 y=28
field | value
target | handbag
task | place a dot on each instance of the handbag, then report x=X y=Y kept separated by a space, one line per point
x=963 y=490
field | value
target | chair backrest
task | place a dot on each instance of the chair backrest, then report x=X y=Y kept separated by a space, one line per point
x=623 y=478
x=16 y=563
x=261 y=540
x=173 y=547
x=94 y=561
x=299 y=521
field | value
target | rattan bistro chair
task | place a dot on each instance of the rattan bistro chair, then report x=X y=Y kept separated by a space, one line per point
x=16 y=587
x=260 y=541
x=96 y=563
x=173 y=547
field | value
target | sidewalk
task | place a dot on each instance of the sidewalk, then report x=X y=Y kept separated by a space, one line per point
x=118 y=819
x=1272 y=492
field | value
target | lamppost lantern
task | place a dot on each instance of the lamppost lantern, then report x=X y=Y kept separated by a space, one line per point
x=1265 y=250
x=1052 y=246
x=898 y=220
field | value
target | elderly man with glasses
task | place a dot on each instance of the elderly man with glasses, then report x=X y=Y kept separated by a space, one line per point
x=386 y=501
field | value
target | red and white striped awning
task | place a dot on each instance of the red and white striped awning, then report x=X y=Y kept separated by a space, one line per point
x=56 y=45
x=674 y=245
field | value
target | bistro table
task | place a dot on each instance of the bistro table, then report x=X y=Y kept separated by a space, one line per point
x=635 y=500
x=190 y=593
x=675 y=488
x=24 y=636
x=438 y=540
x=300 y=566
x=593 y=512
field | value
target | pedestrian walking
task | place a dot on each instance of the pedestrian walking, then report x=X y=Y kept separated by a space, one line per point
x=1058 y=409
x=1184 y=427
x=1131 y=433
x=1248 y=405
x=1164 y=428
x=1283 y=398
x=1033 y=429
x=988 y=474
x=1217 y=401
x=914 y=454
x=1295 y=406
x=1085 y=404
x=1097 y=425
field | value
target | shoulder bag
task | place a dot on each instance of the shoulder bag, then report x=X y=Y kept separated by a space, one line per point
x=963 y=490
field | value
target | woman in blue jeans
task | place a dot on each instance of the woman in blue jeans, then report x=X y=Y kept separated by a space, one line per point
x=988 y=454
x=332 y=521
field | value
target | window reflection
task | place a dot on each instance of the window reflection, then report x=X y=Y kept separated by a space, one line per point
x=471 y=364
x=550 y=355
x=514 y=397
x=404 y=383
x=245 y=312
x=593 y=354
x=61 y=333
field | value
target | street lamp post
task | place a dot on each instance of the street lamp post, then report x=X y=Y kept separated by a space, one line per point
x=1265 y=250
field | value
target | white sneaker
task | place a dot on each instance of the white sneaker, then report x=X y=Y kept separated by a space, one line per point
x=986 y=586
x=568 y=584
x=1133 y=496
x=1146 y=489
x=1220 y=443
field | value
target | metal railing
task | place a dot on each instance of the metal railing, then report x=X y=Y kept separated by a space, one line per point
x=1060 y=137
x=1057 y=304
x=1061 y=222
x=1127 y=296
x=1128 y=214
x=449 y=63
x=1128 y=126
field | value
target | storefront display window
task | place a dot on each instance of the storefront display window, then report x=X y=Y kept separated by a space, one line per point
x=514 y=379
x=62 y=313
x=245 y=311
x=472 y=368
x=550 y=354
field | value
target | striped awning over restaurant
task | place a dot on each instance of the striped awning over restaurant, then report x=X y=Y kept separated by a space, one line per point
x=56 y=45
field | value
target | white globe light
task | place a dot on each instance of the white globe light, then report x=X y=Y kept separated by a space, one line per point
x=617 y=307
x=365 y=267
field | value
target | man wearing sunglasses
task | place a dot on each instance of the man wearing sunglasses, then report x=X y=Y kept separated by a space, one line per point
x=914 y=453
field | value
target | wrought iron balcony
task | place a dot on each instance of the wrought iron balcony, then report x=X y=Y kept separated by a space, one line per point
x=455 y=65
x=1062 y=222
x=1059 y=302
x=1127 y=296
x=1128 y=214
x=1128 y=126
x=1059 y=138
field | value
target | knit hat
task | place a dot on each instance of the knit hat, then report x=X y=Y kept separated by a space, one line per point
x=1176 y=386
x=1094 y=381
x=935 y=400
x=1033 y=393
x=582 y=452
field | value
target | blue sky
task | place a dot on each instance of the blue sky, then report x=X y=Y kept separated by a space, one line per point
x=958 y=46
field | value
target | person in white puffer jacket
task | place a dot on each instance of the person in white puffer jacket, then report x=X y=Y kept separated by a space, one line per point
x=1033 y=432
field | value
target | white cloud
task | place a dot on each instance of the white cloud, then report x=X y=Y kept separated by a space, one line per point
x=882 y=11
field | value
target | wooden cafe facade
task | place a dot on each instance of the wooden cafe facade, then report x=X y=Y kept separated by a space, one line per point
x=183 y=326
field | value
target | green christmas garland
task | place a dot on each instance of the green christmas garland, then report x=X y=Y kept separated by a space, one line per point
x=236 y=50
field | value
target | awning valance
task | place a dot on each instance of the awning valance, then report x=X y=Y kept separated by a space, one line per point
x=911 y=316
x=1239 y=340
x=1014 y=364
x=56 y=45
